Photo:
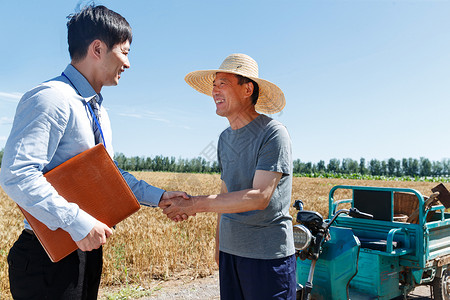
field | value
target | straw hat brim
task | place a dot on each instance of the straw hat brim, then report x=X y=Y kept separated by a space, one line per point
x=271 y=98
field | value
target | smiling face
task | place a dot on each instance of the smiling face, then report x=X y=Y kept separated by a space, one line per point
x=231 y=98
x=115 y=61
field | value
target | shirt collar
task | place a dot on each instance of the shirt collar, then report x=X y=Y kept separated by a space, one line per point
x=81 y=85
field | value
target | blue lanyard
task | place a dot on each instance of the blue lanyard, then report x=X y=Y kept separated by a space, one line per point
x=90 y=109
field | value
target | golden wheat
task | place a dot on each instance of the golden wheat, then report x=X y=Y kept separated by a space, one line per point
x=148 y=245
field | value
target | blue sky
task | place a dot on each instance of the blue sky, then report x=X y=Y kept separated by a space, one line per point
x=361 y=78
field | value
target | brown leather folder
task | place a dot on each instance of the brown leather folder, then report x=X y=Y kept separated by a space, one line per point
x=92 y=180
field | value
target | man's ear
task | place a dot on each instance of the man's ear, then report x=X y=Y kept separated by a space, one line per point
x=249 y=89
x=96 y=49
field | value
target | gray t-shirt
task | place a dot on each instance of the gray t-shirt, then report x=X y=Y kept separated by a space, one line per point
x=263 y=144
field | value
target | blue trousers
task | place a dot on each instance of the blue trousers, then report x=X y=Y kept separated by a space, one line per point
x=248 y=278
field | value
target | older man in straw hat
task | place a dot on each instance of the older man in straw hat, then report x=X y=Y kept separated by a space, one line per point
x=254 y=241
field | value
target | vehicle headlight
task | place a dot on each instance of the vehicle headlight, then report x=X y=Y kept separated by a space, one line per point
x=302 y=237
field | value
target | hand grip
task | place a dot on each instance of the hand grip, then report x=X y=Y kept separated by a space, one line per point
x=355 y=213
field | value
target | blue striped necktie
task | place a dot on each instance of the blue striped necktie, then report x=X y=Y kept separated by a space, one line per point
x=95 y=107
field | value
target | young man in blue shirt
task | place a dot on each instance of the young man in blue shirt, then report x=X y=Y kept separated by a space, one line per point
x=53 y=123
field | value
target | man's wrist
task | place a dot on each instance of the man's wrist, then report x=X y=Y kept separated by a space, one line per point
x=81 y=226
x=202 y=203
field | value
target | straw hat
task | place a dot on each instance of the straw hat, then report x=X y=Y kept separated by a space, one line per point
x=271 y=98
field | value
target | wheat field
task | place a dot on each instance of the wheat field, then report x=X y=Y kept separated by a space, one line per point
x=148 y=246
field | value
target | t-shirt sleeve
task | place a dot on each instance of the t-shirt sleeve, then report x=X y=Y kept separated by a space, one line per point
x=275 y=153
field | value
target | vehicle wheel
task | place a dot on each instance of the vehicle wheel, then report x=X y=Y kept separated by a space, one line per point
x=441 y=286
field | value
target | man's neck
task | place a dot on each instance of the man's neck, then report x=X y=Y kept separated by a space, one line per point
x=242 y=119
x=86 y=69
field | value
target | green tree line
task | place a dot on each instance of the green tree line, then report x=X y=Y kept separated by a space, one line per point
x=166 y=164
x=411 y=167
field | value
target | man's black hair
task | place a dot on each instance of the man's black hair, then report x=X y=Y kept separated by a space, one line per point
x=255 y=95
x=95 y=22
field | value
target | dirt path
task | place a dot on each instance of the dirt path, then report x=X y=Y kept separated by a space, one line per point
x=185 y=288
x=421 y=292
x=208 y=289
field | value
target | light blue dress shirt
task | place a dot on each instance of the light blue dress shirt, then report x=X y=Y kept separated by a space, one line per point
x=52 y=124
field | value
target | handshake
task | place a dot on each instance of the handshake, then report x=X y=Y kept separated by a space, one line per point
x=178 y=206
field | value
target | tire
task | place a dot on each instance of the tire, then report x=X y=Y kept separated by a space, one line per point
x=441 y=286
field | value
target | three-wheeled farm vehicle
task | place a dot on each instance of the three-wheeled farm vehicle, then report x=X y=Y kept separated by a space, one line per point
x=388 y=241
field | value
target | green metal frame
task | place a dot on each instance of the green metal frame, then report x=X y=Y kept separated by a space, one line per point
x=423 y=243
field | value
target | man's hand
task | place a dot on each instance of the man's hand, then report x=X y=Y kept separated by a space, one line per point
x=168 y=198
x=95 y=238
x=176 y=207
x=170 y=195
